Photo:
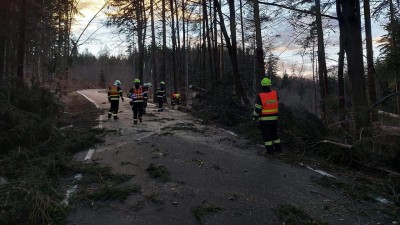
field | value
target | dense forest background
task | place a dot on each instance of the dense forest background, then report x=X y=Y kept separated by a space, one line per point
x=220 y=49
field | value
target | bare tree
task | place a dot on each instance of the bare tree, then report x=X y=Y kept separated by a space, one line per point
x=341 y=63
x=232 y=47
x=260 y=68
x=21 y=41
x=322 y=70
x=153 y=48
x=370 y=53
x=351 y=25
x=173 y=57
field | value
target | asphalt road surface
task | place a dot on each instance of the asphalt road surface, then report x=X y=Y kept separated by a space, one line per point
x=208 y=165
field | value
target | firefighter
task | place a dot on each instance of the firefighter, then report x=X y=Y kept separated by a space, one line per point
x=114 y=93
x=266 y=113
x=161 y=96
x=176 y=99
x=146 y=89
x=136 y=96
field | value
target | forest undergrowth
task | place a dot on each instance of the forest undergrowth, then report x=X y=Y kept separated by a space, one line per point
x=372 y=156
x=39 y=135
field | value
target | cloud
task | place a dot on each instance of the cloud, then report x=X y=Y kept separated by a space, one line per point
x=377 y=40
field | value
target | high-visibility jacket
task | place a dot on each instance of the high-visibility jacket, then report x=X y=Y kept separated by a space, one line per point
x=266 y=108
x=176 y=96
x=160 y=93
x=114 y=93
x=136 y=94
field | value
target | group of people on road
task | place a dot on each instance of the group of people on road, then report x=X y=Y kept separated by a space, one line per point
x=265 y=112
x=138 y=96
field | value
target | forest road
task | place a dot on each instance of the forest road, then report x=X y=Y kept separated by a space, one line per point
x=211 y=169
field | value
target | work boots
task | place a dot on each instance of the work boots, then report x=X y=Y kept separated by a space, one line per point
x=140 y=119
x=116 y=117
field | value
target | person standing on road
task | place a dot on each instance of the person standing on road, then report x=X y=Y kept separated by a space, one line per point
x=136 y=96
x=266 y=113
x=175 y=99
x=146 y=88
x=161 y=96
x=114 y=93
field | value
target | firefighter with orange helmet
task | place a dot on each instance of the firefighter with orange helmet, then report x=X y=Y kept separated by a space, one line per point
x=266 y=113
x=114 y=93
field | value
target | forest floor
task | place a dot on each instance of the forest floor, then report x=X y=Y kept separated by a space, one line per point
x=173 y=169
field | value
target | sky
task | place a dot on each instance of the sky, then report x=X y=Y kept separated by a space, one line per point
x=97 y=37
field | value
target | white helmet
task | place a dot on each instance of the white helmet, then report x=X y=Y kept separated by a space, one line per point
x=117 y=83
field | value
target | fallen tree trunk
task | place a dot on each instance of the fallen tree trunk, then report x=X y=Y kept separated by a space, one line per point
x=332 y=143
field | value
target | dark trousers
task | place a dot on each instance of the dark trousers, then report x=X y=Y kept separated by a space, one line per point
x=160 y=103
x=114 y=107
x=270 y=136
x=137 y=109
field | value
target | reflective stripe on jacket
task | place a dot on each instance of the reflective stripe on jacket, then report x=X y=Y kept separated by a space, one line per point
x=160 y=93
x=269 y=106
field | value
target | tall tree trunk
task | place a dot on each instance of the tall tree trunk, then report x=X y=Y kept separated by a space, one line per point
x=241 y=21
x=203 y=45
x=209 y=48
x=178 y=47
x=370 y=53
x=322 y=71
x=164 y=43
x=153 y=50
x=394 y=50
x=351 y=25
x=184 y=56
x=140 y=21
x=216 y=55
x=173 y=56
x=341 y=64
x=341 y=78
x=3 y=38
x=260 y=68
x=232 y=48
x=21 y=41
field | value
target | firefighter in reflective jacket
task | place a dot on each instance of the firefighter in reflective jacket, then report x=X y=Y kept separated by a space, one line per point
x=266 y=112
x=136 y=96
x=114 y=93
x=161 y=96
x=176 y=99
x=146 y=88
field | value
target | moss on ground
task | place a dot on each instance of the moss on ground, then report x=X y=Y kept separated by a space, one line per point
x=157 y=171
x=293 y=215
x=107 y=192
x=204 y=208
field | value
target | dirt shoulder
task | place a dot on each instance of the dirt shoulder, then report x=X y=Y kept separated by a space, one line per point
x=190 y=173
